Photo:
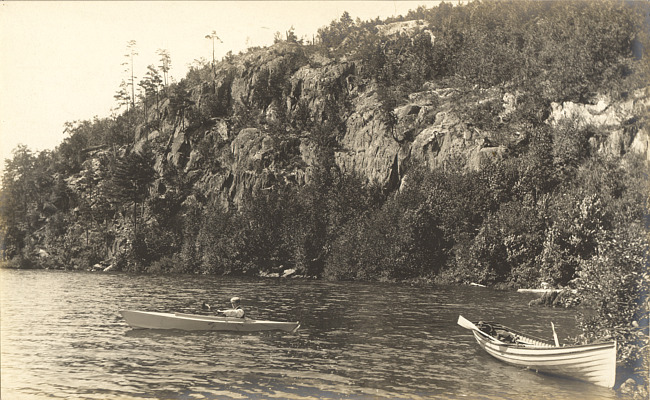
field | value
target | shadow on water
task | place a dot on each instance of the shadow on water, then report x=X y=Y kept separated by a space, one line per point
x=148 y=333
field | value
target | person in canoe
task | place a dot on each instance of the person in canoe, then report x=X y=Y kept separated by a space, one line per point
x=236 y=311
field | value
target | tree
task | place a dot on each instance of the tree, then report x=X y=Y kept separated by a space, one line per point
x=122 y=95
x=613 y=283
x=143 y=96
x=291 y=35
x=149 y=87
x=180 y=101
x=130 y=181
x=17 y=191
x=213 y=36
x=346 y=19
x=131 y=52
x=154 y=79
x=165 y=63
x=27 y=184
x=337 y=31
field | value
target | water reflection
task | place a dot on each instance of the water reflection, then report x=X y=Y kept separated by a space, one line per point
x=63 y=337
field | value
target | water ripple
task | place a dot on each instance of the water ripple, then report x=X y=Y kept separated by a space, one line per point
x=63 y=338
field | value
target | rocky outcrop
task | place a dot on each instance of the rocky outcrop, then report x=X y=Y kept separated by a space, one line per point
x=368 y=147
x=428 y=127
x=405 y=27
x=618 y=118
x=257 y=73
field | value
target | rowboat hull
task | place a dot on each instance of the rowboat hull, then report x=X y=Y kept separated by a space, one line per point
x=191 y=322
x=594 y=363
x=544 y=291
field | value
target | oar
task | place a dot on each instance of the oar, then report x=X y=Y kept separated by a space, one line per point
x=467 y=324
x=557 y=342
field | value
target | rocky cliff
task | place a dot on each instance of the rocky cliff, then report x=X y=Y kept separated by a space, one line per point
x=427 y=126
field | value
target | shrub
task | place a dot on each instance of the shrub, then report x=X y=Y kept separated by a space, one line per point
x=613 y=285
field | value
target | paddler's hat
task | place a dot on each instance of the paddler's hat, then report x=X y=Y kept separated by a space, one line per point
x=235 y=300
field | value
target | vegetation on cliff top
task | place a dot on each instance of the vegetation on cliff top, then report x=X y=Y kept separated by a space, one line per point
x=553 y=209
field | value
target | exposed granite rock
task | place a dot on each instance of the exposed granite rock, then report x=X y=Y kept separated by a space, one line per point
x=405 y=27
x=616 y=117
x=426 y=127
x=312 y=85
x=448 y=137
x=368 y=147
x=179 y=148
x=256 y=71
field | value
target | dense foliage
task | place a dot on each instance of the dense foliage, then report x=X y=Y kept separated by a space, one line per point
x=553 y=209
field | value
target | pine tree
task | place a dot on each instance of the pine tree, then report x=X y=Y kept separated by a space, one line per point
x=131 y=179
x=122 y=95
x=180 y=101
x=166 y=63
x=131 y=52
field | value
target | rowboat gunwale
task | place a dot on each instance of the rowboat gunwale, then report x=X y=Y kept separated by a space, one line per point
x=578 y=348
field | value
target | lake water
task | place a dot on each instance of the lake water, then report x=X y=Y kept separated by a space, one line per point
x=62 y=337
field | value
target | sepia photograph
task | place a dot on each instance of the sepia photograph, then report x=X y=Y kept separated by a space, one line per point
x=360 y=200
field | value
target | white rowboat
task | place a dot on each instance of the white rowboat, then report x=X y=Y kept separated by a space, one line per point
x=594 y=363
x=543 y=291
x=191 y=322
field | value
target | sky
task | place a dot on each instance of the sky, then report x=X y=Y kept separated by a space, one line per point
x=61 y=61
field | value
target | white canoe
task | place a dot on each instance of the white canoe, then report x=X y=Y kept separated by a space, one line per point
x=191 y=322
x=594 y=363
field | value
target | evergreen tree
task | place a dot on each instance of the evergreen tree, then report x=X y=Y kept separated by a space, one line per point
x=131 y=52
x=180 y=101
x=122 y=95
x=130 y=181
x=165 y=63
x=149 y=87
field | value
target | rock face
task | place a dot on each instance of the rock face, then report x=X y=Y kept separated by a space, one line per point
x=617 y=118
x=404 y=27
x=368 y=147
x=373 y=142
